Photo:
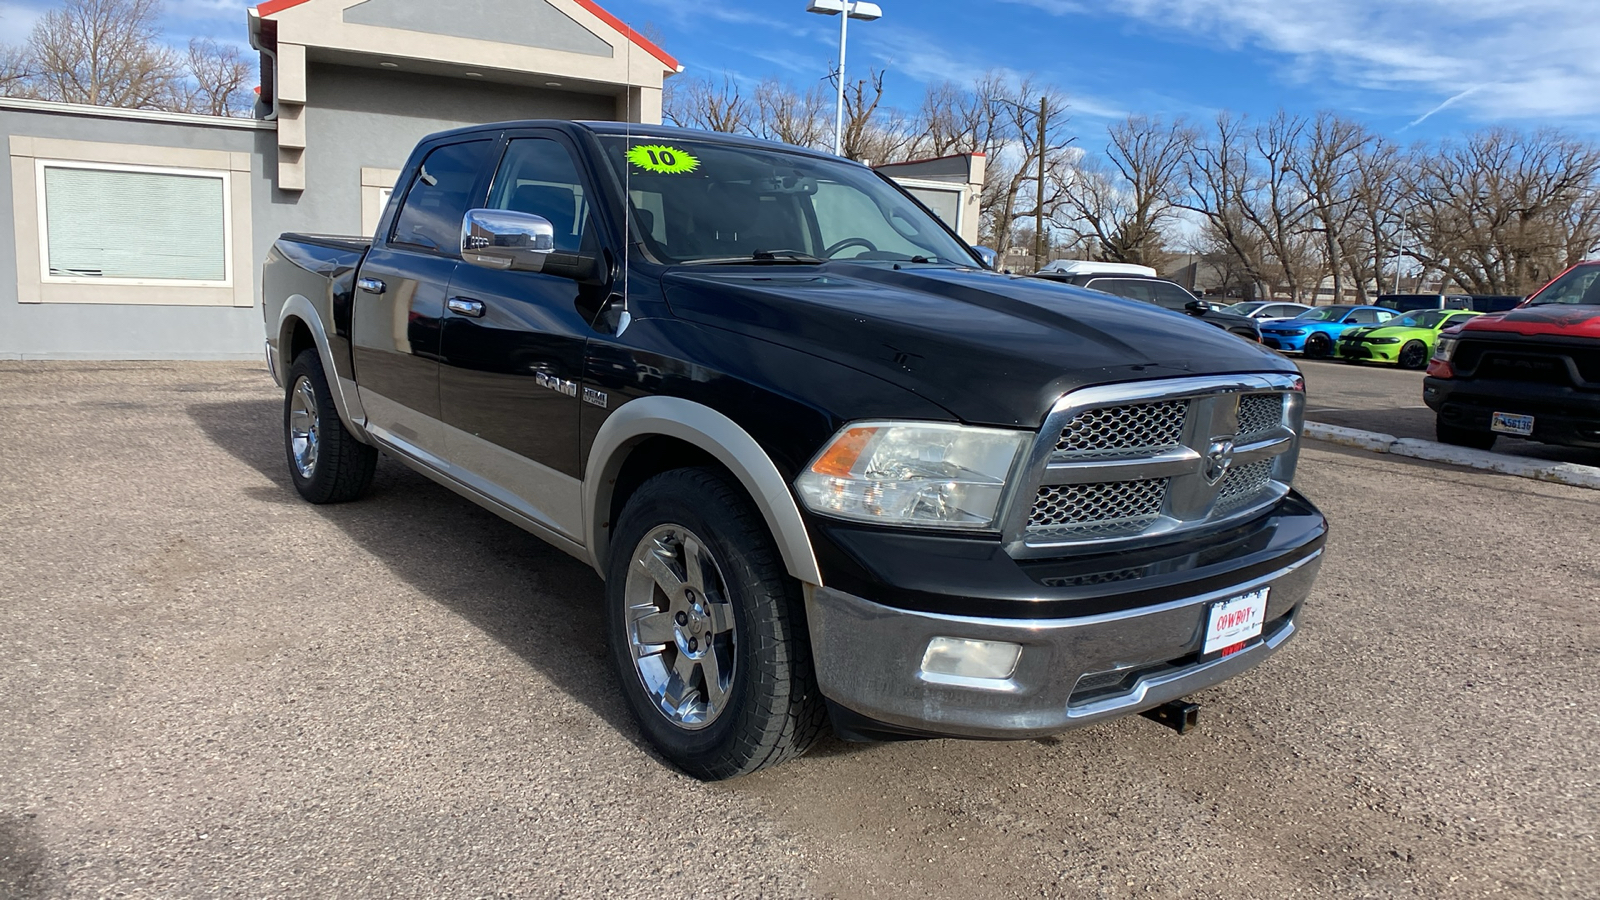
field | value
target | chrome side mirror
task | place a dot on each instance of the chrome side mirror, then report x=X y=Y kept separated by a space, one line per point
x=989 y=257
x=506 y=240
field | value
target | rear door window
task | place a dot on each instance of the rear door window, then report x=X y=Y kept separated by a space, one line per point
x=1170 y=296
x=1365 y=317
x=1132 y=288
x=438 y=198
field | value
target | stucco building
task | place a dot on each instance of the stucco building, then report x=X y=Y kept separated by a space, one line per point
x=140 y=235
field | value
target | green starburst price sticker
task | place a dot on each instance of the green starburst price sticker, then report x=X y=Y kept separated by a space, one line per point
x=663 y=159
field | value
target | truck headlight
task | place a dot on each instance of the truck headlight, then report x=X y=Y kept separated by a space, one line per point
x=922 y=475
x=1445 y=348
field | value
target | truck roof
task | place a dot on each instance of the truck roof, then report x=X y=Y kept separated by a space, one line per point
x=657 y=131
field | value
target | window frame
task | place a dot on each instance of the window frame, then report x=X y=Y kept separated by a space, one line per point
x=225 y=176
x=587 y=193
x=390 y=223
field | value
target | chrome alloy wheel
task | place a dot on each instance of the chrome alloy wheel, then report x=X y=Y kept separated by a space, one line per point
x=305 y=427
x=680 y=626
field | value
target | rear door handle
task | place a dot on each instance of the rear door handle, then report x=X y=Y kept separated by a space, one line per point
x=371 y=285
x=472 y=309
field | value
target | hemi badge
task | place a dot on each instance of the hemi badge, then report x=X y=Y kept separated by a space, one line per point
x=594 y=397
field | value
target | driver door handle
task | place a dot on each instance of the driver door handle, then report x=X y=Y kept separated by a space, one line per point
x=461 y=306
x=371 y=285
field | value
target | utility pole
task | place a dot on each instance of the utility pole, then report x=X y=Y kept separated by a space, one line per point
x=1039 y=261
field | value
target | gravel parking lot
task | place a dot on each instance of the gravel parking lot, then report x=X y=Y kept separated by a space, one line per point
x=210 y=688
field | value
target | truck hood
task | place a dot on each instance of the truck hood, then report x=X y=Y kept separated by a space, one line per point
x=1559 y=320
x=992 y=349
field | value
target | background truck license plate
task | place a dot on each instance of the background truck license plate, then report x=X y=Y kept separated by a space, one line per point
x=1506 y=423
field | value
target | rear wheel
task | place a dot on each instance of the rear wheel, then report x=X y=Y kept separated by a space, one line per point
x=707 y=630
x=1414 y=355
x=326 y=462
x=1463 y=437
x=1319 y=346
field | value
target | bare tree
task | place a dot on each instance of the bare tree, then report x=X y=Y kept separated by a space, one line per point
x=787 y=115
x=873 y=133
x=1276 y=206
x=220 y=79
x=1127 y=202
x=16 y=72
x=1326 y=169
x=1218 y=177
x=1503 y=212
x=708 y=105
x=1376 y=229
x=105 y=53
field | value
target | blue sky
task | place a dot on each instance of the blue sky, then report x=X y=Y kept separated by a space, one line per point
x=1452 y=64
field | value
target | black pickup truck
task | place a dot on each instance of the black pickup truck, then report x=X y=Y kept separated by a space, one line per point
x=832 y=468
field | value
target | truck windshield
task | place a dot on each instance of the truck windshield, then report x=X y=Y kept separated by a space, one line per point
x=1581 y=286
x=704 y=202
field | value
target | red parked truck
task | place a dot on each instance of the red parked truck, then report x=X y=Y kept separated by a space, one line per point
x=1532 y=372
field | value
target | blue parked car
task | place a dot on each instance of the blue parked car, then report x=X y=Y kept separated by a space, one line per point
x=1316 y=331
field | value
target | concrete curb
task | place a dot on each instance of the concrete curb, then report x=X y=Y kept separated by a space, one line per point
x=1570 y=474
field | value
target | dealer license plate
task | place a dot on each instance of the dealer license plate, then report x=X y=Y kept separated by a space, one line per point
x=1235 y=621
x=1506 y=423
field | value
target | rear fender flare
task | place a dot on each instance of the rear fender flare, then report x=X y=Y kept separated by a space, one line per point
x=717 y=435
x=345 y=395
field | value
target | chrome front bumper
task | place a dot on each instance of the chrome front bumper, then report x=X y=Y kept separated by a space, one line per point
x=869 y=660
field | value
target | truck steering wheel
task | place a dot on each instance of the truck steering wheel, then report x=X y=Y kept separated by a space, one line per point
x=833 y=251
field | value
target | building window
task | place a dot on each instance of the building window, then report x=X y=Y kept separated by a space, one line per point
x=134 y=225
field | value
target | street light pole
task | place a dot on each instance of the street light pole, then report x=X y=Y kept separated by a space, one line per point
x=1039 y=262
x=845 y=10
x=838 y=122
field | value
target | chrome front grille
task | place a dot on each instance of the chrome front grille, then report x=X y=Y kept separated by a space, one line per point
x=1106 y=505
x=1260 y=414
x=1140 y=427
x=1135 y=461
x=1243 y=484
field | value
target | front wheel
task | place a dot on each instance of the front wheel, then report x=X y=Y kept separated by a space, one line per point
x=1463 y=437
x=707 y=630
x=326 y=462
x=1414 y=355
x=1319 y=346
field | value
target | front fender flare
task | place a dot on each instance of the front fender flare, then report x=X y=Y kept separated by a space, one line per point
x=717 y=435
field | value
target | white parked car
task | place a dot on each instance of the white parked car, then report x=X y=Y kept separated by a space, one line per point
x=1257 y=309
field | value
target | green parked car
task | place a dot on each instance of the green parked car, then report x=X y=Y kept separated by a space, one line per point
x=1406 y=341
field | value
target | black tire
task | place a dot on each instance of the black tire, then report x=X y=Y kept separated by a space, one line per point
x=1319 y=346
x=1413 y=356
x=771 y=710
x=341 y=467
x=1463 y=437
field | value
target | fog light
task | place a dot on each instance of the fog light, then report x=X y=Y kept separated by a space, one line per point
x=958 y=658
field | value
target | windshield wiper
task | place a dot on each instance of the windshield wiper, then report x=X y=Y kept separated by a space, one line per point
x=786 y=257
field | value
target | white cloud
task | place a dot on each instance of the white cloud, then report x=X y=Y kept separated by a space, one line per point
x=1543 y=56
x=17 y=21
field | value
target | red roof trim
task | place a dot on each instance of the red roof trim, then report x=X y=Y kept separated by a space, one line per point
x=644 y=43
x=276 y=6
